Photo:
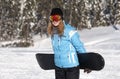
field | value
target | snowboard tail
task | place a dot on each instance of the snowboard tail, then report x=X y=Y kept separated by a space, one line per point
x=91 y=60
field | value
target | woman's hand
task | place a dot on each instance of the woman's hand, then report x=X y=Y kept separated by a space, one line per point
x=87 y=70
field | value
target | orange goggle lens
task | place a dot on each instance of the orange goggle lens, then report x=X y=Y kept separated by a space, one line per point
x=55 y=17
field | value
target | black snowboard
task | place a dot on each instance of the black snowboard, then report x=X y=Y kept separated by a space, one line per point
x=93 y=61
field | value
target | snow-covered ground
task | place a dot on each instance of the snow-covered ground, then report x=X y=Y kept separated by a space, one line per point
x=20 y=63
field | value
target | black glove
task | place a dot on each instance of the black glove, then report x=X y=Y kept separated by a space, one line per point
x=87 y=70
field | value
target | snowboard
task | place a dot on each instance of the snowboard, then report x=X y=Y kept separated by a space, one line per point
x=90 y=60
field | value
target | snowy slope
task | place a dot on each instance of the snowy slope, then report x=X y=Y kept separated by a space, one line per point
x=20 y=63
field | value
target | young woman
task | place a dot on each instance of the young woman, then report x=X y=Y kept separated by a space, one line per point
x=66 y=43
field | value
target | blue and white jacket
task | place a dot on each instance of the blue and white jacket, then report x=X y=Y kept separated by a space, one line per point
x=66 y=47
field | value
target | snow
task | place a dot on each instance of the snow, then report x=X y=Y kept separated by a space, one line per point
x=20 y=63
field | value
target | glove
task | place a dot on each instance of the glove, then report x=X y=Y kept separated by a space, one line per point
x=87 y=70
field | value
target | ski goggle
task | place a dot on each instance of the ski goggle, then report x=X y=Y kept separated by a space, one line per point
x=55 y=17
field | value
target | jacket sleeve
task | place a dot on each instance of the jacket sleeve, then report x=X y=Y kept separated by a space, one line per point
x=76 y=42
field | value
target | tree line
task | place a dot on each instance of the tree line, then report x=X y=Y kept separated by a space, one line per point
x=21 y=19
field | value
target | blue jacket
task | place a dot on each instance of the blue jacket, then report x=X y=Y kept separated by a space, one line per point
x=66 y=46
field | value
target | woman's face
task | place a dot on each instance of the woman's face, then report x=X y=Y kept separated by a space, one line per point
x=56 y=23
x=55 y=19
